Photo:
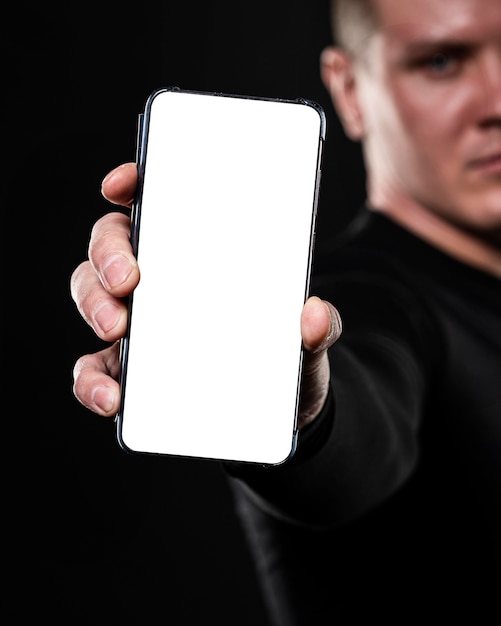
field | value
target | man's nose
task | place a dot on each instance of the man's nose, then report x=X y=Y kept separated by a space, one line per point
x=491 y=87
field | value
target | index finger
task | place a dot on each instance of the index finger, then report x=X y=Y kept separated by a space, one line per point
x=111 y=254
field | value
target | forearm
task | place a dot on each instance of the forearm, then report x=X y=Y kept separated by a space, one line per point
x=360 y=449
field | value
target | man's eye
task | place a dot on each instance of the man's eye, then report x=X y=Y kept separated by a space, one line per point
x=443 y=64
x=440 y=62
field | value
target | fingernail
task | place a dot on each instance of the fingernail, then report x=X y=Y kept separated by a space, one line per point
x=115 y=270
x=336 y=327
x=336 y=323
x=103 y=398
x=106 y=316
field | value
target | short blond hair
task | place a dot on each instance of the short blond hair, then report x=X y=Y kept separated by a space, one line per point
x=352 y=22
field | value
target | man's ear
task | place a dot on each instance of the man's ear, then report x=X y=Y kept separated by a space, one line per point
x=338 y=75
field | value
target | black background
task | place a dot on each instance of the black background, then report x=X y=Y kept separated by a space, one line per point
x=97 y=536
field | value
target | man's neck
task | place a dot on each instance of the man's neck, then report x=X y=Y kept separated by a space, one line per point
x=458 y=243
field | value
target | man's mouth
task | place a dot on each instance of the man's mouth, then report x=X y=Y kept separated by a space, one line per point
x=490 y=164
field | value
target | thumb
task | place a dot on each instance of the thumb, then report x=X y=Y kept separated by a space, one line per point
x=320 y=327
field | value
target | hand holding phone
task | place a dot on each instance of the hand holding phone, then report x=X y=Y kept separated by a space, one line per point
x=223 y=228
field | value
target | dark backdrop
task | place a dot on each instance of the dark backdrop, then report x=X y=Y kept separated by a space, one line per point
x=96 y=536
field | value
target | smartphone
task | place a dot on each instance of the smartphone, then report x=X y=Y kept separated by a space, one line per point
x=223 y=226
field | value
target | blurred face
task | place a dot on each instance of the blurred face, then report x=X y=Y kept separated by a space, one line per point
x=429 y=93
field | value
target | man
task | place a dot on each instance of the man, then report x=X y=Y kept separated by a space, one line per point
x=390 y=507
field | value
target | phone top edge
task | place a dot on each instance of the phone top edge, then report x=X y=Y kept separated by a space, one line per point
x=304 y=101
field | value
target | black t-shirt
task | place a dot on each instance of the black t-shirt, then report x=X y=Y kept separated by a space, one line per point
x=394 y=493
